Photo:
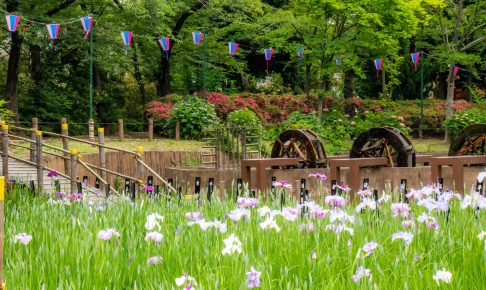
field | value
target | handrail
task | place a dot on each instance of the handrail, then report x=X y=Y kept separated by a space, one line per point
x=56 y=148
x=95 y=174
x=34 y=164
x=54 y=154
x=156 y=175
x=18 y=145
x=22 y=128
x=21 y=138
x=111 y=172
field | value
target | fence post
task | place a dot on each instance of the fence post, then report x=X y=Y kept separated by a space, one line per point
x=121 y=128
x=74 y=171
x=101 y=142
x=91 y=129
x=38 y=157
x=178 y=131
x=5 y=150
x=140 y=169
x=2 y=229
x=150 y=129
x=65 y=144
x=35 y=127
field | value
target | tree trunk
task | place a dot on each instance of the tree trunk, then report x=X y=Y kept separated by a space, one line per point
x=13 y=75
x=325 y=88
x=138 y=76
x=449 y=107
x=383 y=82
x=36 y=73
x=348 y=84
x=450 y=93
x=163 y=78
x=306 y=84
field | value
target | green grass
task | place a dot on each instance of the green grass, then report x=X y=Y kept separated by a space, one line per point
x=431 y=145
x=65 y=252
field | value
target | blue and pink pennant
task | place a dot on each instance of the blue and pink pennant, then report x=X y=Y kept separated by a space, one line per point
x=300 y=52
x=197 y=37
x=268 y=54
x=456 y=70
x=87 y=23
x=53 y=30
x=338 y=59
x=378 y=66
x=12 y=23
x=127 y=39
x=232 y=48
x=165 y=44
x=415 y=56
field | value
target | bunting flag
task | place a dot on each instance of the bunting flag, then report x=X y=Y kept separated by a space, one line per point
x=415 y=59
x=53 y=30
x=87 y=22
x=12 y=22
x=127 y=39
x=268 y=54
x=456 y=70
x=232 y=48
x=165 y=44
x=300 y=53
x=378 y=66
x=338 y=59
x=197 y=36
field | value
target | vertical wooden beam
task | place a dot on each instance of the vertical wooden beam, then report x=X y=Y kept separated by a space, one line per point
x=101 y=142
x=140 y=168
x=2 y=229
x=65 y=144
x=74 y=170
x=38 y=157
x=178 y=131
x=150 y=129
x=5 y=150
x=91 y=130
x=121 y=130
x=35 y=127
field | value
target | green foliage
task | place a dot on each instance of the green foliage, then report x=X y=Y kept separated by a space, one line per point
x=5 y=114
x=244 y=118
x=194 y=115
x=464 y=118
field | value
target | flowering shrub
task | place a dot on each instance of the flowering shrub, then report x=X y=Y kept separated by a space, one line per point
x=464 y=118
x=159 y=110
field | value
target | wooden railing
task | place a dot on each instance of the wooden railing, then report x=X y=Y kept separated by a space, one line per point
x=72 y=160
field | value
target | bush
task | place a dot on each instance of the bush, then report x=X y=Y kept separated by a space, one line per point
x=244 y=118
x=464 y=118
x=194 y=115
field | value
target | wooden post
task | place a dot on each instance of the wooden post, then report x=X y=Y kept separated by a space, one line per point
x=65 y=144
x=178 y=131
x=101 y=142
x=150 y=129
x=38 y=158
x=35 y=127
x=74 y=171
x=91 y=130
x=140 y=168
x=2 y=230
x=121 y=128
x=5 y=150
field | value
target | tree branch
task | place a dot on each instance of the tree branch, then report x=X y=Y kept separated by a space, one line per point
x=184 y=16
x=473 y=43
x=61 y=7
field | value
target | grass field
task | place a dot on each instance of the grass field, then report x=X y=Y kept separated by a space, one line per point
x=321 y=250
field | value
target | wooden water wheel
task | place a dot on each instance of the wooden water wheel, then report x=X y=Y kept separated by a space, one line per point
x=303 y=144
x=472 y=141
x=385 y=142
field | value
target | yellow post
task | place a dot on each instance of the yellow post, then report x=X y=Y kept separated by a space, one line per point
x=2 y=211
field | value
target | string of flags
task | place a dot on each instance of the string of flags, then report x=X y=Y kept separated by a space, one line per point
x=53 y=30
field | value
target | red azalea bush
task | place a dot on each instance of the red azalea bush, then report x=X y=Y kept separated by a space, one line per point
x=159 y=110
